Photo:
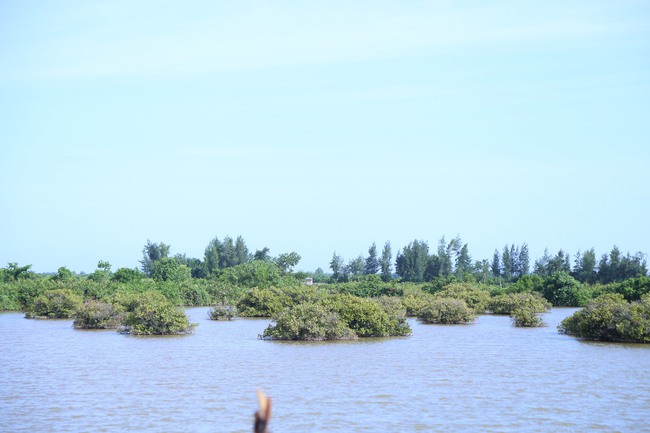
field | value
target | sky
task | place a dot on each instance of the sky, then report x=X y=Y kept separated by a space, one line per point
x=321 y=127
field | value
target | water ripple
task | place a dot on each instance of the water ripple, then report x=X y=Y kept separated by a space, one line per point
x=488 y=377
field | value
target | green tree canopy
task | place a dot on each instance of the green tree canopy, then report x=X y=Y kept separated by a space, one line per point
x=151 y=253
x=372 y=264
x=169 y=269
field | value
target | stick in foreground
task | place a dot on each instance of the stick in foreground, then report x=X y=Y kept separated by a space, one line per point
x=262 y=416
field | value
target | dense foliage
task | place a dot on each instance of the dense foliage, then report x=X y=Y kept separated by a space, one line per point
x=611 y=318
x=55 y=304
x=507 y=304
x=338 y=316
x=361 y=297
x=150 y=313
x=475 y=297
x=99 y=315
x=308 y=321
x=526 y=317
x=446 y=311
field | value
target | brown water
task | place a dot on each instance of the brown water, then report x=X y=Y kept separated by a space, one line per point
x=485 y=377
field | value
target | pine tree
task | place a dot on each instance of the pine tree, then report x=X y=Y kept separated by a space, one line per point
x=386 y=265
x=372 y=264
x=241 y=252
x=463 y=262
x=152 y=253
x=506 y=261
x=412 y=261
x=524 y=260
x=496 y=264
x=444 y=257
x=336 y=265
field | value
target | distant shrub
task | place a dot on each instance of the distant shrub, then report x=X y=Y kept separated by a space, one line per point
x=170 y=269
x=150 y=313
x=475 y=298
x=414 y=302
x=339 y=317
x=506 y=304
x=27 y=290
x=392 y=305
x=194 y=293
x=562 y=290
x=98 y=315
x=263 y=303
x=257 y=273
x=308 y=322
x=446 y=311
x=632 y=289
x=526 y=317
x=63 y=274
x=127 y=275
x=55 y=304
x=367 y=318
x=368 y=286
x=8 y=296
x=611 y=318
x=223 y=312
x=438 y=284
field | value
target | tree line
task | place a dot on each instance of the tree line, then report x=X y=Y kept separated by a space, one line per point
x=416 y=262
x=218 y=255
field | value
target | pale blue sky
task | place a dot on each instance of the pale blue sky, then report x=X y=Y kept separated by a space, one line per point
x=321 y=126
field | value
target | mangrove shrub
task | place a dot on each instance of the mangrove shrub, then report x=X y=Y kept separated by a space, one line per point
x=526 y=317
x=55 y=304
x=367 y=318
x=98 y=315
x=151 y=313
x=475 y=298
x=611 y=318
x=223 y=312
x=506 y=304
x=339 y=317
x=309 y=322
x=562 y=290
x=446 y=311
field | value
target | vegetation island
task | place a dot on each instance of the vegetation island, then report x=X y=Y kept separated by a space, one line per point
x=368 y=296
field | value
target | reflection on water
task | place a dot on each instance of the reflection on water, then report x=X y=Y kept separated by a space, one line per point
x=488 y=377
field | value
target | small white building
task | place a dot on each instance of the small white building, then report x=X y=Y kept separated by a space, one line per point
x=309 y=281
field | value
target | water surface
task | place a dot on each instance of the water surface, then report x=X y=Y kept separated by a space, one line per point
x=487 y=377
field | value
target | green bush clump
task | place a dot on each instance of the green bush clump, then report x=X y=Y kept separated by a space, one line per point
x=368 y=286
x=367 y=318
x=526 y=317
x=562 y=290
x=632 y=289
x=151 y=313
x=127 y=275
x=415 y=301
x=223 y=312
x=98 y=315
x=258 y=273
x=28 y=290
x=475 y=298
x=527 y=283
x=309 y=322
x=339 y=317
x=263 y=303
x=55 y=304
x=446 y=311
x=506 y=304
x=611 y=318
x=8 y=296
